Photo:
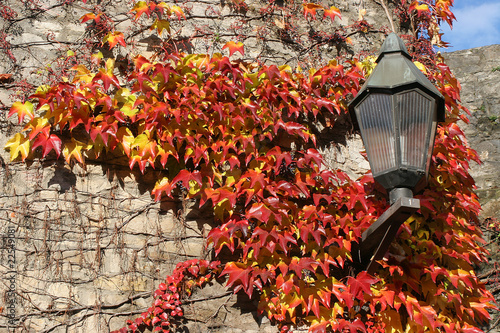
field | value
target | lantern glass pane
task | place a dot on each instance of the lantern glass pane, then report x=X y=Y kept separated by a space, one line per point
x=431 y=142
x=375 y=118
x=417 y=114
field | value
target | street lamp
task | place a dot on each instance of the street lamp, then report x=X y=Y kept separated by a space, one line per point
x=396 y=111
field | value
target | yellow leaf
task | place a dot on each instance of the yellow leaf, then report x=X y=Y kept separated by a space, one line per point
x=361 y=14
x=126 y=138
x=18 y=145
x=423 y=234
x=73 y=149
x=82 y=74
x=368 y=64
x=98 y=146
x=232 y=176
x=165 y=7
x=194 y=187
x=97 y=57
x=126 y=102
x=140 y=141
x=160 y=25
x=221 y=208
x=285 y=68
x=110 y=65
x=420 y=66
x=422 y=7
x=43 y=90
x=392 y=320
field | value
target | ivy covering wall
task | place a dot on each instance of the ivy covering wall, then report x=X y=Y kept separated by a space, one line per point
x=240 y=138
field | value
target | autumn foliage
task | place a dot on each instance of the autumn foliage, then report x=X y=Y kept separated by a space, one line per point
x=241 y=137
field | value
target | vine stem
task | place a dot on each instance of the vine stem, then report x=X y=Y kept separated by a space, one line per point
x=382 y=3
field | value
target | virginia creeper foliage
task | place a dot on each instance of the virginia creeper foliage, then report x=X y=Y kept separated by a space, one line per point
x=240 y=137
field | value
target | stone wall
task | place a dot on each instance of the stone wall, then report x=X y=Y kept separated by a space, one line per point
x=478 y=71
x=91 y=244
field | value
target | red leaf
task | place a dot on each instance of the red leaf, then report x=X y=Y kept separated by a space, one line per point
x=283 y=239
x=313 y=154
x=319 y=327
x=285 y=286
x=48 y=143
x=237 y=272
x=220 y=237
x=313 y=305
x=361 y=284
x=356 y=326
x=107 y=79
x=185 y=176
x=155 y=321
x=259 y=211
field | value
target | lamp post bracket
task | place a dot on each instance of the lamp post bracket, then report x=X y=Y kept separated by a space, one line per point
x=390 y=220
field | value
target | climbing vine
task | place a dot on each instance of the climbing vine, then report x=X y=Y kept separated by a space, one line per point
x=241 y=137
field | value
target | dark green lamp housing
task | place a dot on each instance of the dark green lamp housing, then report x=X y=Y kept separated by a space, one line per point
x=397 y=111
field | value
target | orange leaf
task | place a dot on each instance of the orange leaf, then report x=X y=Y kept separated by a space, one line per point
x=38 y=125
x=237 y=272
x=310 y=8
x=22 y=110
x=481 y=309
x=332 y=12
x=420 y=8
x=178 y=11
x=106 y=76
x=113 y=38
x=5 y=77
x=142 y=7
x=90 y=16
x=234 y=47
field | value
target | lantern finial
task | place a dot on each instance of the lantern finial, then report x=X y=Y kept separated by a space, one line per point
x=393 y=44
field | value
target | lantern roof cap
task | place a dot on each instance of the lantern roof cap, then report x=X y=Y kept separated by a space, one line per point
x=395 y=72
x=393 y=44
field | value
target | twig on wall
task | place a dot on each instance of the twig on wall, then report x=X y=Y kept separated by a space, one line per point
x=386 y=10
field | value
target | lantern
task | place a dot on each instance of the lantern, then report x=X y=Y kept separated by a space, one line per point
x=397 y=111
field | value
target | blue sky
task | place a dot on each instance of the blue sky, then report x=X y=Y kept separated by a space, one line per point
x=477 y=24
